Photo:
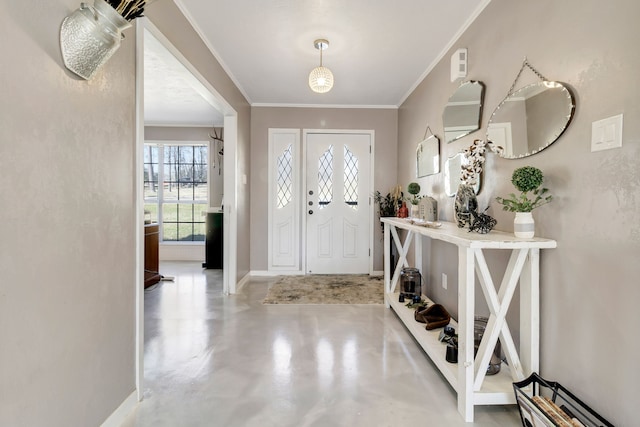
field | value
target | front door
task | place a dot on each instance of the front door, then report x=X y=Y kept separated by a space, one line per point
x=337 y=203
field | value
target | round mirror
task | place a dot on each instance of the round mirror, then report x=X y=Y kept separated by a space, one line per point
x=463 y=112
x=531 y=119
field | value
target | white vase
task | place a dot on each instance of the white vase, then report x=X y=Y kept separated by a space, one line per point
x=524 y=225
x=415 y=211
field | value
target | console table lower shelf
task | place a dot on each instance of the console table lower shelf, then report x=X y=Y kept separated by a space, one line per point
x=496 y=389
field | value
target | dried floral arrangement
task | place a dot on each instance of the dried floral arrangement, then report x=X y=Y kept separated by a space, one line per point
x=475 y=155
x=129 y=9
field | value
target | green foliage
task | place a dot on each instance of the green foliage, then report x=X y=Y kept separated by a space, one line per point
x=387 y=205
x=414 y=188
x=528 y=180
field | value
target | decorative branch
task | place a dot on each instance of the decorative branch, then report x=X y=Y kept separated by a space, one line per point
x=129 y=9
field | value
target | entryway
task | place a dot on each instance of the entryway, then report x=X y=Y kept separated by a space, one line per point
x=320 y=212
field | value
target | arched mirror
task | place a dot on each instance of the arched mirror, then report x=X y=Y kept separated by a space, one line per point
x=463 y=111
x=531 y=118
x=453 y=172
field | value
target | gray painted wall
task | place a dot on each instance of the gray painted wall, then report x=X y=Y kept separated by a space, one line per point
x=589 y=284
x=67 y=314
x=382 y=121
x=67 y=251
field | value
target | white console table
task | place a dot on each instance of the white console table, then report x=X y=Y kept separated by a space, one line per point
x=470 y=382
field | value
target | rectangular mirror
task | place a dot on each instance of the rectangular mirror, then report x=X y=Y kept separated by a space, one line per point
x=428 y=157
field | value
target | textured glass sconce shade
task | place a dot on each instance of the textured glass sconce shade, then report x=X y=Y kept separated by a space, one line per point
x=89 y=36
x=321 y=78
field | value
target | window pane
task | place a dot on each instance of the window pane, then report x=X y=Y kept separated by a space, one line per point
x=199 y=212
x=185 y=213
x=325 y=178
x=284 y=181
x=201 y=192
x=350 y=178
x=185 y=232
x=198 y=232
x=150 y=154
x=170 y=231
x=169 y=212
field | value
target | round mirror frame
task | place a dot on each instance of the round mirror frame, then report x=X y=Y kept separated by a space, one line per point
x=569 y=108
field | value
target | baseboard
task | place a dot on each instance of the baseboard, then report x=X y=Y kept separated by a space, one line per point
x=245 y=279
x=271 y=273
x=118 y=417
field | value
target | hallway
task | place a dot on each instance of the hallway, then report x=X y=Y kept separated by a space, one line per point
x=212 y=360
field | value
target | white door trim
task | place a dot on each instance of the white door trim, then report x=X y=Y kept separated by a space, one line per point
x=305 y=133
x=230 y=216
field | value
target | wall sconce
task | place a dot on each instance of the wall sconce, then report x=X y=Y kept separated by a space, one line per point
x=321 y=78
x=459 y=64
x=91 y=34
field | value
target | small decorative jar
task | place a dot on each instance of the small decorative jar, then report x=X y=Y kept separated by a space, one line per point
x=89 y=36
x=410 y=283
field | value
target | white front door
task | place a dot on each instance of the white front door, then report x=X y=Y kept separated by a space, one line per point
x=337 y=203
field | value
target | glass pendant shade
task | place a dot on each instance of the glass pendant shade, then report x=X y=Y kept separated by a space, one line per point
x=321 y=79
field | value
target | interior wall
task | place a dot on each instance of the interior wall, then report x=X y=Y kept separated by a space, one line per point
x=383 y=121
x=67 y=254
x=589 y=284
x=168 y=18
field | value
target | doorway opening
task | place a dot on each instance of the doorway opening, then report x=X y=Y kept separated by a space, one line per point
x=220 y=115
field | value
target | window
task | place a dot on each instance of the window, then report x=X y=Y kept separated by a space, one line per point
x=176 y=190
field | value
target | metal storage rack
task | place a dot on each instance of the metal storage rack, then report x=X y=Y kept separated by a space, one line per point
x=547 y=403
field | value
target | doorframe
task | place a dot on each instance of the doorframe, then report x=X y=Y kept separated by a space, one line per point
x=230 y=216
x=303 y=187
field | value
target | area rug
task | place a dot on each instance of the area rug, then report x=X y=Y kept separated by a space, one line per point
x=327 y=289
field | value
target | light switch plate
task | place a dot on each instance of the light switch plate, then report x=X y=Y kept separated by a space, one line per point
x=606 y=133
x=459 y=64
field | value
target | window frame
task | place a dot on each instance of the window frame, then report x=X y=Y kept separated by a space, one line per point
x=159 y=200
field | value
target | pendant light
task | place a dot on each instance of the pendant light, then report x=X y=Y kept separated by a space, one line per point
x=321 y=78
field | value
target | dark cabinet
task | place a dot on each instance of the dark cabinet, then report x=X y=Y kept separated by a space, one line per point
x=151 y=258
x=213 y=241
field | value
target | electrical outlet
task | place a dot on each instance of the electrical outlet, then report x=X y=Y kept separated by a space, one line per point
x=444 y=281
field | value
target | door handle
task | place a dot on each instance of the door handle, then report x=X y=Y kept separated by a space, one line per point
x=310 y=212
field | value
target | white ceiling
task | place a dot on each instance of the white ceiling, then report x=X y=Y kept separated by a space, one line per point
x=380 y=50
x=172 y=95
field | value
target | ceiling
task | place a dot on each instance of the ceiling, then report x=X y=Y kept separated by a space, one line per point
x=379 y=51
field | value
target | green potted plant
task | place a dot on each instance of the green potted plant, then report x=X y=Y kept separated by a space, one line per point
x=414 y=188
x=528 y=180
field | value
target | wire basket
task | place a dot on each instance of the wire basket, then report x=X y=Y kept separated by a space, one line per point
x=545 y=403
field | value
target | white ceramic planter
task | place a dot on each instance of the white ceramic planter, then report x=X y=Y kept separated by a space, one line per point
x=524 y=225
x=415 y=211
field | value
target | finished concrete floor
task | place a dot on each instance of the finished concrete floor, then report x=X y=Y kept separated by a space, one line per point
x=215 y=360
